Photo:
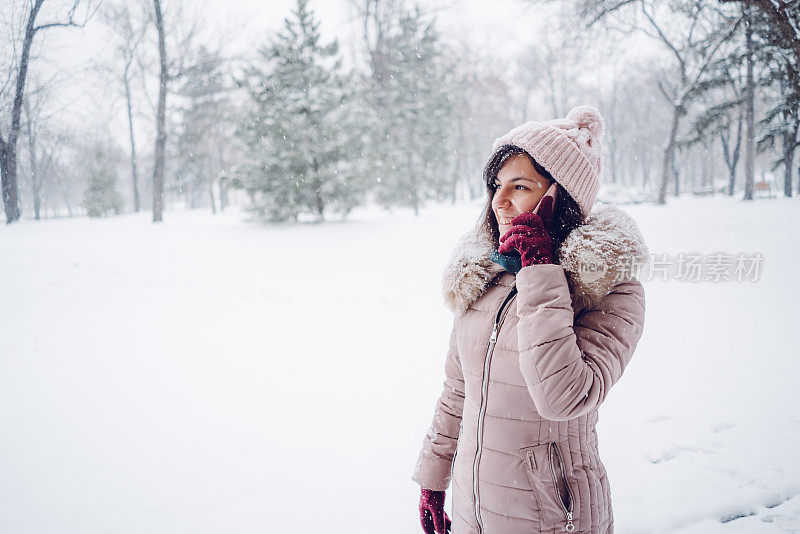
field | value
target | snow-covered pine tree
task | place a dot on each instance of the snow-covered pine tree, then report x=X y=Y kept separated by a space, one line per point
x=721 y=97
x=720 y=105
x=204 y=131
x=101 y=196
x=301 y=133
x=413 y=99
x=780 y=124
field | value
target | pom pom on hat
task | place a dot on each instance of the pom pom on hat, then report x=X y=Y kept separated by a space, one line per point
x=588 y=117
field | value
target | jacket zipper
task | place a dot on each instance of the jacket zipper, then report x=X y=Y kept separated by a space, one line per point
x=498 y=321
x=567 y=512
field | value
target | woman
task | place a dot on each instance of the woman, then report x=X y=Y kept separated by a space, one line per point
x=547 y=316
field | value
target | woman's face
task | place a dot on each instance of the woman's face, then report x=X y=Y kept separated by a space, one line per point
x=518 y=190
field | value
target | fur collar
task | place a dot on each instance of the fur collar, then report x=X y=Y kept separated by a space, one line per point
x=609 y=238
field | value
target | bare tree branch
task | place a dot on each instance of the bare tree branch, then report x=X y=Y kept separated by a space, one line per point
x=70 y=22
x=605 y=11
x=695 y=18
x=54 y=25
x=664 y=38
x=660 y=85
x=710 y=53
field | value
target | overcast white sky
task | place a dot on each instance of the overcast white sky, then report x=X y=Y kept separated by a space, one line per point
x=499 y=25
x=502 y=27
x=511 y=19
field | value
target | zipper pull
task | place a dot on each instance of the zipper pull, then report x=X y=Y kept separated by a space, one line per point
x=494 y=334
x=531 y=460
x=570 y=526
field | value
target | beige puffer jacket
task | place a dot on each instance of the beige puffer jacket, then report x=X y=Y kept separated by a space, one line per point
x=515 y=424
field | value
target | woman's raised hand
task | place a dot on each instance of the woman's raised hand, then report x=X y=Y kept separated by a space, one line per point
x=431 y=512
x=530 y=235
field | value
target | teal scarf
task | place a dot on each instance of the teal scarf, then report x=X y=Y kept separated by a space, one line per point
x=510 y=262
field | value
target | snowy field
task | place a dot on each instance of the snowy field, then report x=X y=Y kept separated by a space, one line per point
x=214 y=375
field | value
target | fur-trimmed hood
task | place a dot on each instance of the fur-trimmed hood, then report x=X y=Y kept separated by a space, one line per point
x=596 y=256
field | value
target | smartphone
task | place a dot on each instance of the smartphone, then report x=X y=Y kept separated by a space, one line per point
x=551 y=192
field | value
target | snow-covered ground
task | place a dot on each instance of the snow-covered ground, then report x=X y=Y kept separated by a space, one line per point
x=214 y=375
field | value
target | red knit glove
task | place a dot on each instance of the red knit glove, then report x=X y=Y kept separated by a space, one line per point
x=529 y=235
x=431 y=512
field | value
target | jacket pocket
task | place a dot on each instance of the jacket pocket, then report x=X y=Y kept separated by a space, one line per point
x=547 y=474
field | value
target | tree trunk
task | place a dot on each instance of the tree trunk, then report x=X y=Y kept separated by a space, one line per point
x=35 y=186
x=712 y=166
x=319 y=202
x=134 y=170
x=8 y=156
x=790 y=138
x=211 y=198
x=221 y=180
x=732 y=159
x=8 y=164
x=731 y=178
x=412 y=183
x=67 y=204
x=789 y=144
x=669 y=151
x=161 y=135
x=703 y=172
x=676 y=176
x=749 y=152
x=223 y=194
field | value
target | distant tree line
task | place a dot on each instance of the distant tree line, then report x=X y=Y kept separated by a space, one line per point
x=732 y=83
x=300 y=131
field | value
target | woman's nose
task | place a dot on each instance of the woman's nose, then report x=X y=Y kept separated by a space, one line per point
x=501 y=199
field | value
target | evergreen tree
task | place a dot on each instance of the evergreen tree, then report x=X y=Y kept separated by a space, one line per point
x=101 y=196
x=720 y=106
x=413 y=98
x=722 y=96
x=781 y=121
x=302 y=131
x=203 y=132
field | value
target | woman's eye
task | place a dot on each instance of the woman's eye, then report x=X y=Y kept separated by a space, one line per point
x=519 y=187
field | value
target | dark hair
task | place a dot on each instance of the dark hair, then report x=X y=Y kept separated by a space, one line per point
x=567 y=215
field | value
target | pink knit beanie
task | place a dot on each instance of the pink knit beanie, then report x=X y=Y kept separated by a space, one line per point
x=568 y=148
